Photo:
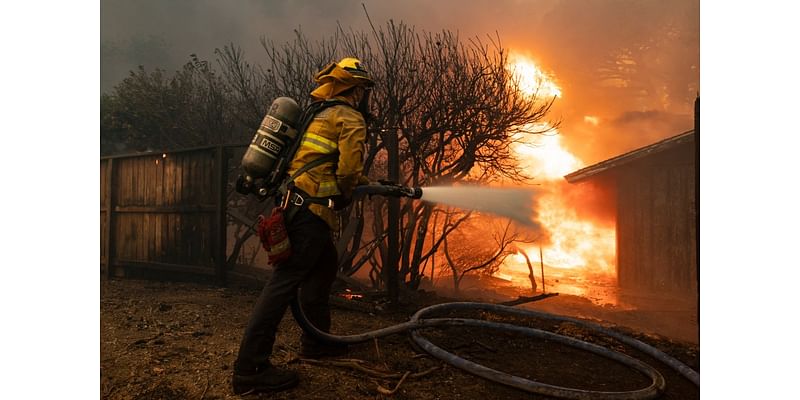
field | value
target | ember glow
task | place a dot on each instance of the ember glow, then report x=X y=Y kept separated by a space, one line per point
x=578 y=252
x=349 y=295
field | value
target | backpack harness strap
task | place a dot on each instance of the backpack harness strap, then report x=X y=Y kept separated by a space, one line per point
x=293 y=198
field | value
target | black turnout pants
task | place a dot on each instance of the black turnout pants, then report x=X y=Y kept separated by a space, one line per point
x=312 y=266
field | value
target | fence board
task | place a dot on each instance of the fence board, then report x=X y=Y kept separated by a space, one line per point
x=170 y=253
x=149 y=222
x=159 y=183
x=179 y=170
x=194 y=176
x=103 y=214
x=103 y=236
x=103 y=183
x=107 y=183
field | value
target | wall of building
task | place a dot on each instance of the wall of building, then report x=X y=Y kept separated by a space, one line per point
x=656 y=224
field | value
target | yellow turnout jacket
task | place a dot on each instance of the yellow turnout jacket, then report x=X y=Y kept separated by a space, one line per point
x=341 y=128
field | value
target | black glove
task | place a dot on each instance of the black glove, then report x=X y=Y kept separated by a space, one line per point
x=340 y=202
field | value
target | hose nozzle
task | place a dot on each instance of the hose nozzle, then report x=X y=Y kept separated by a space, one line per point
x=389 y=189
x=412 y=192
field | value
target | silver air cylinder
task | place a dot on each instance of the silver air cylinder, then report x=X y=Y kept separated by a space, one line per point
x=277 y=130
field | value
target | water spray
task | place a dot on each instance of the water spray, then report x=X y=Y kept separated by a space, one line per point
x=514 y=203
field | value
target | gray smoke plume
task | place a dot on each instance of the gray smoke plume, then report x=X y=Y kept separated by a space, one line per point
x=610 y=57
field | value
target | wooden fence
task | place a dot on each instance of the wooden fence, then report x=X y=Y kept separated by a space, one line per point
x=164 y=212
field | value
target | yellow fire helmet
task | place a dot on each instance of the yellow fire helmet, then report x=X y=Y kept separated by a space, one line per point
x=335 y=78
x=353 y=66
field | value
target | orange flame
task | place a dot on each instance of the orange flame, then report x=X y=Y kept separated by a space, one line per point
x=576 y=248
x=532 y=80
x=544 y=158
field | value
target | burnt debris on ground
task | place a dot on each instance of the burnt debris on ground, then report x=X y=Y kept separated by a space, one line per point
x=179 y=340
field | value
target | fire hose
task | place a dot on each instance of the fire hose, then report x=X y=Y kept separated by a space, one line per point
x=417 y=323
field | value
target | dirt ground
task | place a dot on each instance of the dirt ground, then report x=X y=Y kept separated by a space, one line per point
x=167 y=340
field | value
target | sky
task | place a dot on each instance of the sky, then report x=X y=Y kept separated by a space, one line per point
x=628 y=69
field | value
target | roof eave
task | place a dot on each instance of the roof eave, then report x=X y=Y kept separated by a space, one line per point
x=630 y=156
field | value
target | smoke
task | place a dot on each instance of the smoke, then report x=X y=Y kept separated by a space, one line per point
x=635 y=127
x=591 y=201
x=612 y=58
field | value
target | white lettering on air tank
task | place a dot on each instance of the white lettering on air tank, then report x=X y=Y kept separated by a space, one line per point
x=271 y=123
x=270 y=145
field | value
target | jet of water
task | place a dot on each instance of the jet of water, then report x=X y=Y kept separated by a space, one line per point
x=514 y=203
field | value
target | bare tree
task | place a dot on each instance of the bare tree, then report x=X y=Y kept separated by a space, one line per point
x=472 y=253
x=457 y=111
x=531 y=276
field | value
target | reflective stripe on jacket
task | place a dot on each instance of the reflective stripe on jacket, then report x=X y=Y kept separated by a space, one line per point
x=335 y=128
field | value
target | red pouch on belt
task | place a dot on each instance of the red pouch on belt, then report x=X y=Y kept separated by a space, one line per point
x=272 y=232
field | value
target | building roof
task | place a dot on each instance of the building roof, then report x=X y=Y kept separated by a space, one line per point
x=630 y=156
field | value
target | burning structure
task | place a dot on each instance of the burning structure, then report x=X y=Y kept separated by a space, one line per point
x=624 y=226
x=655 y=192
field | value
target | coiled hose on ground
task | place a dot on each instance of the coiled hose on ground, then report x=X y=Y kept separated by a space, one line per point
x=417 y=322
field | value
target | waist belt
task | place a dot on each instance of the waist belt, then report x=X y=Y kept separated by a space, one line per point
x=296 y=199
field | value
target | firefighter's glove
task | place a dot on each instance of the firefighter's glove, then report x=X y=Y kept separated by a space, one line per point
x=340 y=202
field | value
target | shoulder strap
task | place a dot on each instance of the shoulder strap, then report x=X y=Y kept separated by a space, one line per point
x=319 y=161
x=308 y=115
x=315 y=108
x=305 y=120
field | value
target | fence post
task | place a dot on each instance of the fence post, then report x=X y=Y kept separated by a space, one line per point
x=110 y=205
x=221 y=215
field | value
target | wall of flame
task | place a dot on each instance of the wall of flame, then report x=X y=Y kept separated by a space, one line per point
x=579 y=237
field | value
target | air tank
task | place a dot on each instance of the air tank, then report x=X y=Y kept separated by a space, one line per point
x=277 y=131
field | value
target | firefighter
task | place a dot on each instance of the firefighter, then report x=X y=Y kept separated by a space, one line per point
x=312 y=265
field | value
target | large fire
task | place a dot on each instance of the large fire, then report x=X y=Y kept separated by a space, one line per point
x=577 y=253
